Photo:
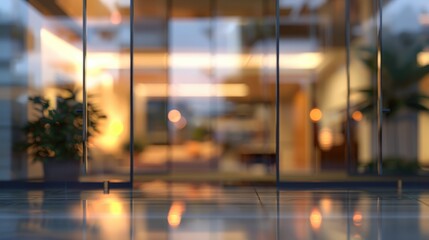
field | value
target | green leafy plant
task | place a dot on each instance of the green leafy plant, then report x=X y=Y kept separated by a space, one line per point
x=395 y=166
x=56 y=133
x=138 y=146
x=200 y=134
x=401 y=75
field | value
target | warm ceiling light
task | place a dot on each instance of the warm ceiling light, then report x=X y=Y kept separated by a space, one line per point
x=192 y=90
x=357 y=116
x=316 y=115
x=174 y=116
x=180 y=60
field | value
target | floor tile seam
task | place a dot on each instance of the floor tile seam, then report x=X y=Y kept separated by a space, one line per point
x=422 y=202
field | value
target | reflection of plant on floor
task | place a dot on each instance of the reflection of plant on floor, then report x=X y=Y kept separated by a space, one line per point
x=401 y=75
x=395 y=166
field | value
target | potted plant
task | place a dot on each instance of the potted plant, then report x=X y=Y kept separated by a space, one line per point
x=402 y=96
x=401 y=75
x=395 y=167
x=54 y=137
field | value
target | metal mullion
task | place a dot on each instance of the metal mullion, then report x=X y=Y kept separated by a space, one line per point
x=132 y=92
x=277 y=93
x=348 y=121
x=379 y=90
x=85 y=101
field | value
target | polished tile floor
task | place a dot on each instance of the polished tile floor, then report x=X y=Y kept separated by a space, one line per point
x=198 y=211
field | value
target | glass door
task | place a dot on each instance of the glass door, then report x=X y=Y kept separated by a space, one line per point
x=313 y=89
x=204 y=80
x=47 y=91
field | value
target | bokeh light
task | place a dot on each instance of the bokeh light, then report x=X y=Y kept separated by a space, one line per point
x=316 y=115
x=174 y=116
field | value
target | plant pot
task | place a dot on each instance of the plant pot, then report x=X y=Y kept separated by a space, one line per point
x=60 y=170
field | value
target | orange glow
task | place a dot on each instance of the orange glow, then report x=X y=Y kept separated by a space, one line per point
x=424 y=19
x=174 y=116
x=116 y=128
x=315 y=114
x=115 y=18
x=357 y=219
x=175 y=214
x=326 y=138
x=326 y=205
x=423 y=58
x=357 y=116
x=315 y=219
x=357 y=236
x=115 y=207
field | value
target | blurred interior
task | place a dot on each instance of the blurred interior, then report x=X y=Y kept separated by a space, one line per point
x=204 y=85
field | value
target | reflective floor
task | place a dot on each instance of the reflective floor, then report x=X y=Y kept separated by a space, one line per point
x=183 y=211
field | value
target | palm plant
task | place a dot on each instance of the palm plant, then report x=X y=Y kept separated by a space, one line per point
x=401 y=94
x=401 y=75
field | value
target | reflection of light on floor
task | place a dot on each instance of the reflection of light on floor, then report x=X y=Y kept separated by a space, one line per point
x=115 y=207
x=175 y=214
x=315 y=219
x=357 y=236
x=326 y=205
x=325 y=138
x=357 y=218
x=111 y=206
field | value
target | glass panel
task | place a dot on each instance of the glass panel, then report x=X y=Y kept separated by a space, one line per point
x=151 y=88
x=219 y=107
x=405 y=87
x=363 y=84
x=191 y=104
x=313 y=115
x=244 y=108
x=40 y=58
x=108 y=89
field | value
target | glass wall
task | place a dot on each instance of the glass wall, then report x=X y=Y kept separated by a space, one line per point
x=313 y=127
x=108 y=88
x=41 y=99
x=204 y=88
x=405 y=86
x=313 y=85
